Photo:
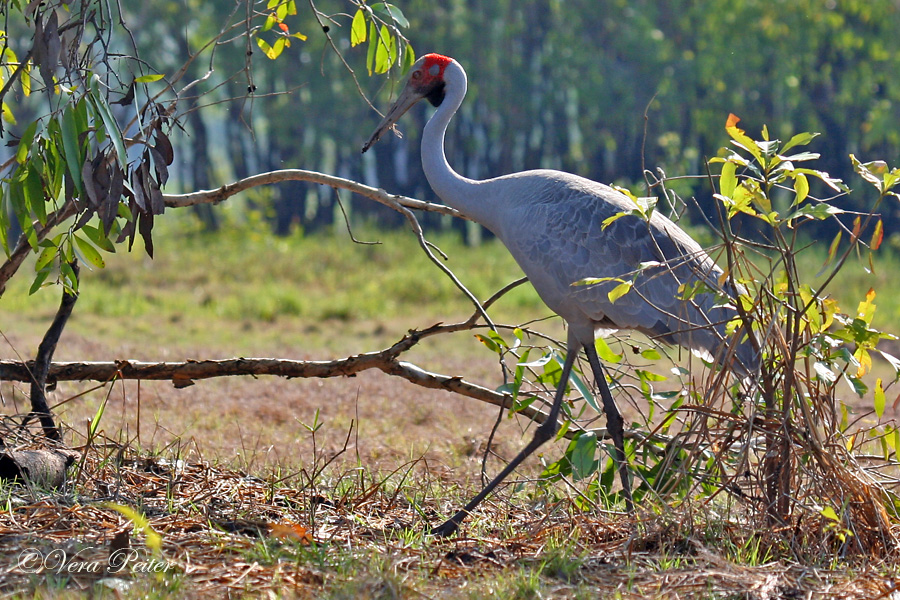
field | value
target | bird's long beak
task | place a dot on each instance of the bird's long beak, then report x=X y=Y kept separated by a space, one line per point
x=407 y=98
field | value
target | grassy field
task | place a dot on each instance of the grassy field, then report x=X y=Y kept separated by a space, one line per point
x=324 y=488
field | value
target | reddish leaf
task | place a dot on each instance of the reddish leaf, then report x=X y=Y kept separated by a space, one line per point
x=878 y=236
x=290 y=531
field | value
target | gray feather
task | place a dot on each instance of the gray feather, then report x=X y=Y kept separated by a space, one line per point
x=553 y=226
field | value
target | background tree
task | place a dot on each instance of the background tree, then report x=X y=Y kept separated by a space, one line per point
x=553 y=84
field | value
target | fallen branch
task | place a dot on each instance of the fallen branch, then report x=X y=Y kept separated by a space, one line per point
x=183 y=374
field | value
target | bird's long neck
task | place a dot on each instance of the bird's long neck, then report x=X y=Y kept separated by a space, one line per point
x=457 y=191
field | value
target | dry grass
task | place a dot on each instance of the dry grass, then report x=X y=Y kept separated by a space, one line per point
x=356 y=532
x=240 y=492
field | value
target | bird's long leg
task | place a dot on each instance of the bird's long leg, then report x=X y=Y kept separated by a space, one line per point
x=544 y=433
x=614 y=423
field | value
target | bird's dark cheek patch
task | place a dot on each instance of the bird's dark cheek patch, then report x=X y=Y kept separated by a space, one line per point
x=436 y=95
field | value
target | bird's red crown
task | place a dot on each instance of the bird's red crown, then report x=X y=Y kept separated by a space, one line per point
x=435 y=64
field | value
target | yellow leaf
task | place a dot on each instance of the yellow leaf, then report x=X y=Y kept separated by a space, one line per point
x=866 y=308
x=619 y=291
x=727 y=180
x=865 y=361
x=358 y=29
x=266 y=48
x=829 y=513
x=879 y=400
x=801 y=188
x=151 y=538
x=7 y=114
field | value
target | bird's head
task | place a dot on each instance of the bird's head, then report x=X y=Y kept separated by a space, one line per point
x=426 y=80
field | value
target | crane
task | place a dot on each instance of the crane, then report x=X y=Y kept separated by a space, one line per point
x=560 y=229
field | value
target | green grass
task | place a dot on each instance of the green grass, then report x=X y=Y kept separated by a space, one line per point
x=233 y=284
x=244 y=275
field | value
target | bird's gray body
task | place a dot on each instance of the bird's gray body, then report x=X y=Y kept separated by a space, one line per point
x=552 y=224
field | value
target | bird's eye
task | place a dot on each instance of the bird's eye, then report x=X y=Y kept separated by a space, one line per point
x=417 y=75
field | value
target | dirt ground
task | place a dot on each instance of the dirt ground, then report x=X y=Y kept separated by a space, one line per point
x=232 y=436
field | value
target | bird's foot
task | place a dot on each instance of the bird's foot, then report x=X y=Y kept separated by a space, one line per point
x=448 y=528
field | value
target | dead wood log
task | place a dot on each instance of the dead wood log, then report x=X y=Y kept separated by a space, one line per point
x=42 y=467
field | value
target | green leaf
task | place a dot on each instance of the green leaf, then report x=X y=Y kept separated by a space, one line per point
x=801 y=157
x=582 y=456
x=650 y=354
x=35 y=200
x=23 y=214
x=605 y=352
x=832 y=252
x=279 y=46
x=109 y=123
x=819 y=211
x=801 y=188
x=396 y=15
x=373 y=43
x=152 y=539
x=71 y=147
x=98 y=238
x=358 y=28
x=801 y=139
x=832 y=182
x=25 y=143
x=385 y=51
x=491 y=344
x=409 y=58
x=149 y=78
x=70 y=280
x=579 y=384
x=89 y=253
x=7 y=114
x=728 y=180
x=879 y=399
x=38 y=282
x=45 y=258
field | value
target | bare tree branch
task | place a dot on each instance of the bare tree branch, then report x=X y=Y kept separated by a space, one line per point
x=398 y=203
x=379 y=195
